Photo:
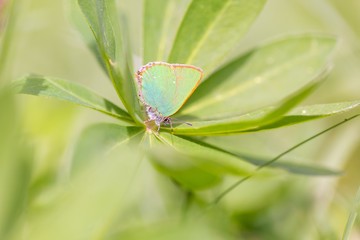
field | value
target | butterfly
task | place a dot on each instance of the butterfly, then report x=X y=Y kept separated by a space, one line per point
x=163 y=88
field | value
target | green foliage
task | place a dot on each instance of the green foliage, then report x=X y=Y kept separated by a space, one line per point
x=103 y=21
x=253 y=92
x=262 y=77
x=258 y=90
x=70 y=92
x=15 y=168
x=6 y=35
x=206 y=27
x=352 y=217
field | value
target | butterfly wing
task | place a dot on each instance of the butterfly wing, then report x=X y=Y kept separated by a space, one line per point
x=166 y=87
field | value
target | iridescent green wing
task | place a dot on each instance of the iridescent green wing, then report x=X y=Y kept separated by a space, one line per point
x=166 y=87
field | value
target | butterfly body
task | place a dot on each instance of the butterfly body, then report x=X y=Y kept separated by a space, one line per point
x=163 y=88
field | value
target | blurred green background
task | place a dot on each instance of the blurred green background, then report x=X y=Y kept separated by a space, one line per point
x=41 y=134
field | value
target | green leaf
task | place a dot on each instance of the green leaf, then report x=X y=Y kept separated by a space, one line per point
x=352 y=217
x=154 y=25
x=15 y=168
x=104 y=22
x=210 y=29
x=249 y=121
x=262 y=77
x=194 y=227
x=9 y=11
x=104 y=163
x=312 y=112
x=198 y=165
x=70 y=92
x=90 y=203
x=159 y=26
x=296 y=168
x=81 y=25
x=178 y=166
x=192 y=163
x=98 y=140
x=211 y=158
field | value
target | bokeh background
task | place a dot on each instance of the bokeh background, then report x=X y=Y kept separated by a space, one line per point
x=281 y=207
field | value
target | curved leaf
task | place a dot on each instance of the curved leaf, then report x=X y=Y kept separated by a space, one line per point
x=296 y=168
x=100 y=139
x=153 y=27
x=179 y=167
x=355 y=211
x=266 y=118
x=262 y=77
x=104 y=23
x=210 y=29
x=197 y=165
x=249 y=121
x=193 y=164
x=159 y=26
x=15 y=168
x=90 y=202
x=9 y=11
x=81 y=25
x=70 y=92
x=307 y=113
x=211 y=158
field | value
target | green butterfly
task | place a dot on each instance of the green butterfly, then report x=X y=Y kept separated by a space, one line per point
x=163 y=89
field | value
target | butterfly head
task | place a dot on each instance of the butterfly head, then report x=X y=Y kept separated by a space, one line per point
x=157 y=118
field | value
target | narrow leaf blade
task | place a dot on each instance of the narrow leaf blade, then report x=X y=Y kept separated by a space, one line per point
x=81 y=25
x=104 y=22
x=9 y=12
x=86 y=205
x=212 y=158
x=312 y=112
x=98 y=140
x=262 y=77
x=160 y=22
x=198 y=165
x=352 y=217
x=249 y=121
x=15 y=168
x=153 y=26
x=70 y=92
x=210 y=25
x=296 y=168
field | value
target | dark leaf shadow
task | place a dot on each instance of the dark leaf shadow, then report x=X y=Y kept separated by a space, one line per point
x=35 y=86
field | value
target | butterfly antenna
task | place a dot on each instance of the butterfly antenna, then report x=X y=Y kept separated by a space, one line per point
x=187 y=123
